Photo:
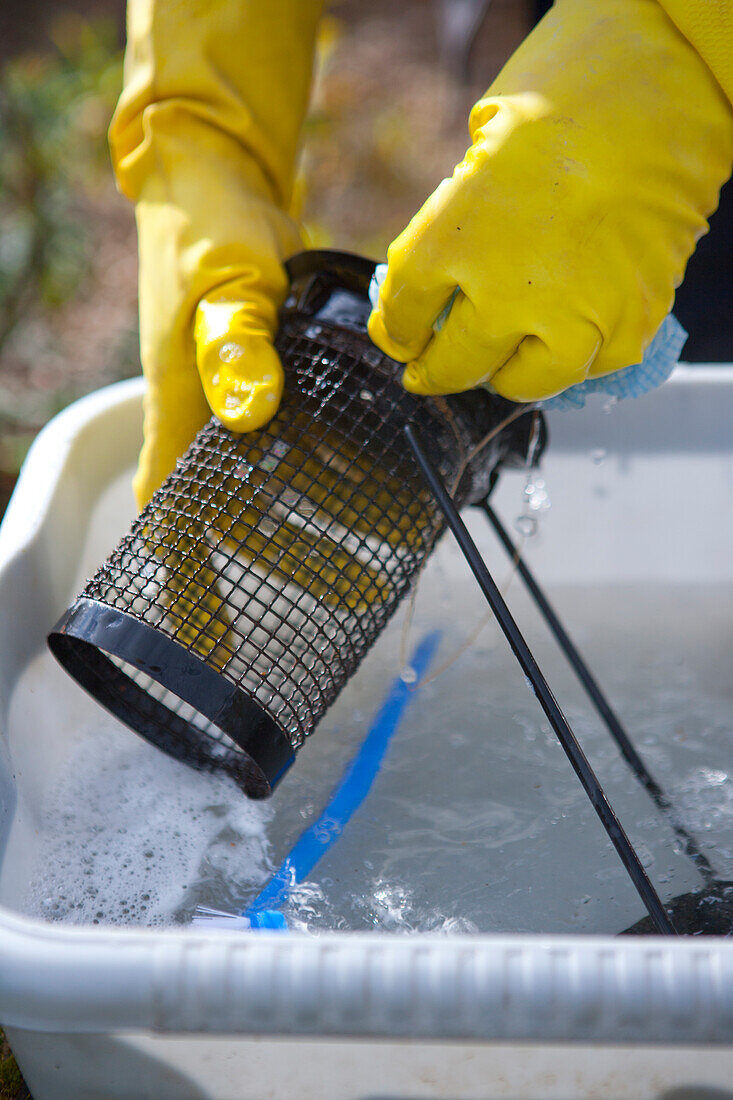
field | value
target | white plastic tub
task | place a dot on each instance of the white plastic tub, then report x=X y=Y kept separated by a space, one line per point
x=97 y=1011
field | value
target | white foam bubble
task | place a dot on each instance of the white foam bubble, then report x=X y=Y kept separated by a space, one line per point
x=129 y=834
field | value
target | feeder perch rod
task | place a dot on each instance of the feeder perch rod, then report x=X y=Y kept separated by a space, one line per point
x=599 y=700
x=547 y=701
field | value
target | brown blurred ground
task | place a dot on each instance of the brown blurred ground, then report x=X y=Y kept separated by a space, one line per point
x=26 y=26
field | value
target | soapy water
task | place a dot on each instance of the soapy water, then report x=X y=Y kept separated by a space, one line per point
x=127 y=835
x=475 y=822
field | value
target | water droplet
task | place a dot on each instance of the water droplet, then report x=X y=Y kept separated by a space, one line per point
x=367 y=396
x=313 y=331
x=598 y=455
x=270 y=396
x=408 y=675
x=372 y=356
x=230 y=351
x=536 y=495
x=526 y=525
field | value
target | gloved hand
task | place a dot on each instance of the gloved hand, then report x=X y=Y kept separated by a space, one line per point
x=204 y=141
x=596 y=157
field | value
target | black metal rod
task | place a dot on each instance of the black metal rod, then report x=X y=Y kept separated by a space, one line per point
x=546 y=699
x=599 y=700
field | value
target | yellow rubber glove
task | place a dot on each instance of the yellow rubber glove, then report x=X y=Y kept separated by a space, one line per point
x=596 y=157
x=204 y=142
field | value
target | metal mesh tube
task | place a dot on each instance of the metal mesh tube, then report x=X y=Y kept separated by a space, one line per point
x=248 y=591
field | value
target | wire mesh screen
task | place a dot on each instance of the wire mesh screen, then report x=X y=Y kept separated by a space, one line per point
x=245 y=595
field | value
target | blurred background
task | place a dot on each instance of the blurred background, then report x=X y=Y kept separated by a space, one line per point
x=386 y=72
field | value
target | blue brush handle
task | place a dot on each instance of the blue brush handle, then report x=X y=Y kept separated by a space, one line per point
x=348 y=796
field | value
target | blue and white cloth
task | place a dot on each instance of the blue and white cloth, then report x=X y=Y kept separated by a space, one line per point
x=660 y=359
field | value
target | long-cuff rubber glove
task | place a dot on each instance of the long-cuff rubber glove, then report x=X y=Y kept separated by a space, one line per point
x=557 y=243
x=204 y=142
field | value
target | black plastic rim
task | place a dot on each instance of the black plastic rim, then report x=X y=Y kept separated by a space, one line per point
x=707 y=911
x=346 y=268
x=330 y=287
x=89 y=630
